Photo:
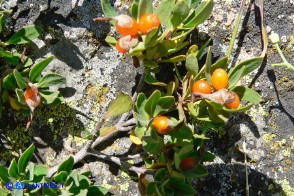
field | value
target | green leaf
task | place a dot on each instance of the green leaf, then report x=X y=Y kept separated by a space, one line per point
x=149 y=37
x=164 y=10
x=17 y=192
x=134 y=10
x=97 y=190
x=176 y=179
x=5 y=95
x=186 y=151
x=51 y=79
x=203 y=47
x=149 y=79
x=13 y=169
x=233 y=79
x=216 y=112
x=208 y=157
x=122 y=104
x=151 y=188
x=49 y=96
x=86 y=134
x=221 y=63
x=74 y=176
x=145 y=7
x=140 y=131
x=199 y=172
x=106 y=130
x=160 y=174
x=184 y=189
x=201 y=13
x=179 y=13
x=19 y=79
x=66 y=165
x=25 y=35
x=48 y=191
x=192 y=64
x=38 y=68
x=208 y=66
x=177 y=160
x=184 y=132
x=152 y=103
x=20 y=96
x=240 y=109
x=4 y=176
x=110 y=40
x=171 y=87
x=137 y=50
x=175 y=59
x=9 y=82
x=40 y=170
x=247 y=94
x=1 y=22
x=86 y=173
x=107 y=9
x=150 y=64
x=84 y=182
x=153 y=143
x=164 y=104
x=25 y=158
x=243 y=69
x=61 y=177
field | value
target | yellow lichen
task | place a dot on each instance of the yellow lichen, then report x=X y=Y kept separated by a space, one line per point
x=268 y=137
x=287 y=189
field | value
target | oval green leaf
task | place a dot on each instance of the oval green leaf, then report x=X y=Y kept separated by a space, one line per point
x=243 y=69
x=49 y=96
x=247 y=94
x=19 y=80
x=25 y=158
x=152 y=103
x=201 y=13
x=179 y=13
x=38 y=68
x=51 y=79
x=66 y=165
x=13 y=169
x=122 y=104
x=4 y=176
x=25 y=35
x=9 y=82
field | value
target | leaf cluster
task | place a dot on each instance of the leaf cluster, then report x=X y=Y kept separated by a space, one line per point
x=18 y=70
x=69 y=180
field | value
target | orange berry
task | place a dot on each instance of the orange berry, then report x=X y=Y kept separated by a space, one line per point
x=119 y=48
x=219 y=79
x=187 y=163
x=234 y=104
x=147 y=22
x=161 y=124
x=124 y=44
x=201 y=86
x=32 y=97
x=126 y=25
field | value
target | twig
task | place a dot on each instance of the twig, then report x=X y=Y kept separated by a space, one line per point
x=120 y=162
x=96 y=140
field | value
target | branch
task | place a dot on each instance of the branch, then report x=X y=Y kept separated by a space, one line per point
x=121 y=125
x=121 y=163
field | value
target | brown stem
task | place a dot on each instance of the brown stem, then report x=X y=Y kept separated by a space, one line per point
x=103 y=19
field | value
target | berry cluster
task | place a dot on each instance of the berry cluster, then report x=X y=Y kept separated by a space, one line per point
x=219 y=81
x=130 y=29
